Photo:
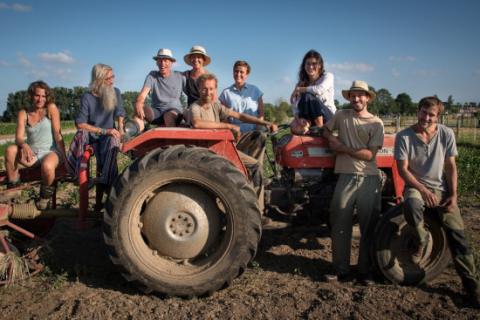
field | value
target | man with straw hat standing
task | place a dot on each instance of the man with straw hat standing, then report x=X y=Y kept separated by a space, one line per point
x=360 y=136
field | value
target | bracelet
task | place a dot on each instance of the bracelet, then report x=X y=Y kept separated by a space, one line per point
x=97 y=130
x=103 y=131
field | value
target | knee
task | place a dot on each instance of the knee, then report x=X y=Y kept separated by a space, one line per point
x=259 y=137
x=49 y=167
x=11 y=152
x=413 y=211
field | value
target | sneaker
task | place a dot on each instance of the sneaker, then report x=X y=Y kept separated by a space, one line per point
x=365 y=279
x=334 y=277
x=417 y=254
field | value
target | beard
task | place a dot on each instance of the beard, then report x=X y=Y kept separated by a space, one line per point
x=108 y=97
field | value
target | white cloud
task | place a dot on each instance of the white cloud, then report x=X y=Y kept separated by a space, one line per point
x=395 y=73
x=407 y=58
x=342 y=83
x=426 y=73
x=56 y=58
x=19 y=7
x=16 y=7
x=36 y=74
x=5 y=64
x=22 y=62
x=286 y=80
x=352 y=67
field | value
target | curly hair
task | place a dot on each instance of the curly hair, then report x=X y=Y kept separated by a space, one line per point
x=303 y=79
x=40 y=85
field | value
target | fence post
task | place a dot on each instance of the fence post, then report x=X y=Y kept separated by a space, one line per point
x=397 y=125
x=458 y=128
x=474 y=129
x=442 y=119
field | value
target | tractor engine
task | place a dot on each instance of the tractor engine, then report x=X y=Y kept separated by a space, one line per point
x=303 y=189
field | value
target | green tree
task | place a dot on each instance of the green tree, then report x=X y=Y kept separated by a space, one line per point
x=15 y=102
x=386 y=103
x=405 y=104
x=62 y=100
x=449 y=102
x=268 y=111
x=129 y=98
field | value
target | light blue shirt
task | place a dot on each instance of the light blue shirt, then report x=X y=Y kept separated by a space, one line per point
x=244 y=101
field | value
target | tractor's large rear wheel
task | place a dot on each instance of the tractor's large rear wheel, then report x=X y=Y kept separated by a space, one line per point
x=182 y=221
x=391 y=249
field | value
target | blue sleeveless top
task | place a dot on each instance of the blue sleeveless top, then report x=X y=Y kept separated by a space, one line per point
x=40 y=137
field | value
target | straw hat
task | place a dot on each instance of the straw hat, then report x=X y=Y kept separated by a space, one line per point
x=359 y=85
x=197 y=50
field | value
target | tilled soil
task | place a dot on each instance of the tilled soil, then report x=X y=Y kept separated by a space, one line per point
x=285 y=281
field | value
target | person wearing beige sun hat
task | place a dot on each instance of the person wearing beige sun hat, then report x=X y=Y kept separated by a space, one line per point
x=359 y=85
x=197 y=58
x=360 y=136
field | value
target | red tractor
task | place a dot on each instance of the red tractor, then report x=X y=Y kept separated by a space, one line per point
x=182 y=219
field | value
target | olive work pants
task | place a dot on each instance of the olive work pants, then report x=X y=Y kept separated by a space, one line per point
x=252 y=150
x=454 y=228
x=364 y=193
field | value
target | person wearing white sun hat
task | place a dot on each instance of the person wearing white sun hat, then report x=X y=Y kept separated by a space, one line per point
x=166 y=87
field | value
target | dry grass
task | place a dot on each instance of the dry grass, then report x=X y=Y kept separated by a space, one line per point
x=12 y=267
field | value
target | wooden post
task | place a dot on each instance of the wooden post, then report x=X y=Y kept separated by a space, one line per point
x=458 y=128
x=474 y=129
x=397 y=125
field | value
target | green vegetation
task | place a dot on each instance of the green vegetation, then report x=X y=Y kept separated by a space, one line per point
x=67 y=101
x=468 y=174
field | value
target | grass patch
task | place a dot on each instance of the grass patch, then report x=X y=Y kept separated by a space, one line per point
x=467 y=161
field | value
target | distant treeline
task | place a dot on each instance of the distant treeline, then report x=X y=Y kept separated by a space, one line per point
x=66 y=99
x=68 y=102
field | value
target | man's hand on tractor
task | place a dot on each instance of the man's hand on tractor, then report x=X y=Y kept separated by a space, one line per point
x=271 y=126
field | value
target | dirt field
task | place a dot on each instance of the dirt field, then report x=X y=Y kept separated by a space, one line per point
x=285 y=281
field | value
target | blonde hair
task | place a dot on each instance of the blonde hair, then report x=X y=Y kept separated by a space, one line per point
x=204 y=77
x=99 y=74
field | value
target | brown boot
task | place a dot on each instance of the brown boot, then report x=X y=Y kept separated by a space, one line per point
x=46 y=193
x=15 y=183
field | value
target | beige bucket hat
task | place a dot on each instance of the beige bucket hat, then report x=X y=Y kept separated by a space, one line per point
x=359 y=85
x=197 y=50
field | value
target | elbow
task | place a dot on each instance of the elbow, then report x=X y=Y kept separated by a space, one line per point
x=195 y=125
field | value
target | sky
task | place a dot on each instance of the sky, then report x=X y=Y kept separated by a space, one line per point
x=416 y=47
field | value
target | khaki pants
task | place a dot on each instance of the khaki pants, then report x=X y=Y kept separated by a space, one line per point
x=252 y=150
x=362 y=192
x=453 y=225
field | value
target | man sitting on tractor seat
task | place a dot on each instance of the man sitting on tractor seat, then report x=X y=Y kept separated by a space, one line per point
x=207 y=114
